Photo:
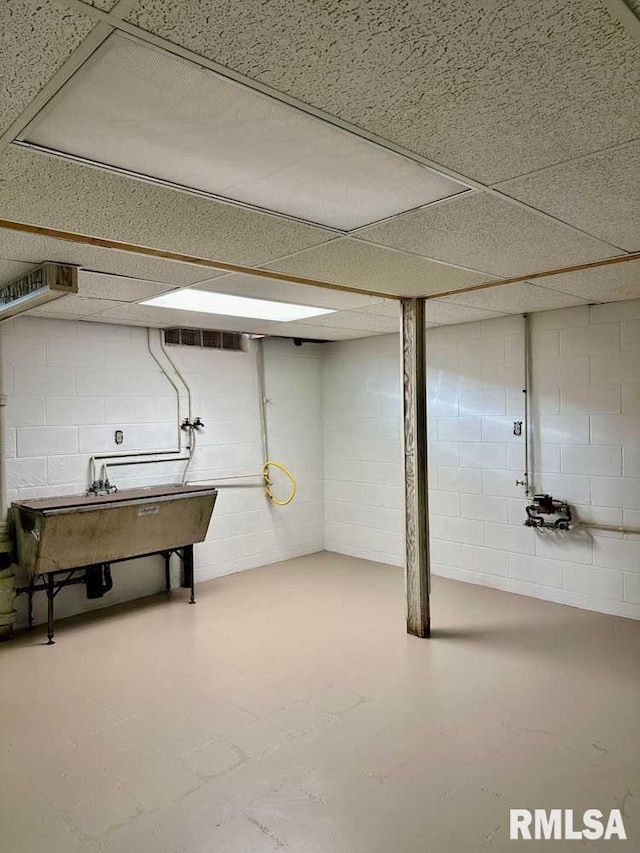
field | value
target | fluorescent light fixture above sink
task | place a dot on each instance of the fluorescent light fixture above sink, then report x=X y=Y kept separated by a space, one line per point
x=191 y=299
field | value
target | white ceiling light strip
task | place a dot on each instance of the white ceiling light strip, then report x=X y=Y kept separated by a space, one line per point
x=224 y=304
x=139 y=109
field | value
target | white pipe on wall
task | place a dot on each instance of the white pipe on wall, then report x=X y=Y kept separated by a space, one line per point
x=132 y=455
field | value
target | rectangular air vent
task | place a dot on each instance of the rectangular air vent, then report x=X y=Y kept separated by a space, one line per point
x=206 y=338
x=42 y=284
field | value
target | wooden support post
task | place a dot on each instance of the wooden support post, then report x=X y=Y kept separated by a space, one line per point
x=414 y=382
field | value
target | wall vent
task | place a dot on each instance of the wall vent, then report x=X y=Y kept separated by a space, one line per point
x=205 y=338
x=40 y=285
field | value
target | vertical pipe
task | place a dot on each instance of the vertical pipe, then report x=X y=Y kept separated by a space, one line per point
x=528 y=469
x=177 y=372
x=262 y=399
x=414 y=386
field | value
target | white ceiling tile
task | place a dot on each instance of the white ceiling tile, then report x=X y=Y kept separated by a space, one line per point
x=514 y=299
x=37 y=38
x=600 y=194
x=105 y=5
x=386 y=308
x=358 y=321
x=491 y=89
x=71 y=307
x=137 y=107
x=60 y=194
x=283 y=291
x=487 y=233
x=317 y=333
x=33 y=247
x=602 y=284
x=12 y=269
x=118 y=288
x=441 y=312
x=362 y=265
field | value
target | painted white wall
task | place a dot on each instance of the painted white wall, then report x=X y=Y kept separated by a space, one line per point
x=71 y=384
x=586 y=413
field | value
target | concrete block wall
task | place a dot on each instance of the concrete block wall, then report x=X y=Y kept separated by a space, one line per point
x=586 y=423
x=71 y=384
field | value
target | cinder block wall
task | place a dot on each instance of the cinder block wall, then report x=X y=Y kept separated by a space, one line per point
x=72 y=384
x=586 y=421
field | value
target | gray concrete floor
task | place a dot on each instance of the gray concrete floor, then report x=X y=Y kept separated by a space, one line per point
x=289 y=711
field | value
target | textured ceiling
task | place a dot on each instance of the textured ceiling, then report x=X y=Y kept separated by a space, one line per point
x=105 y=5
x=492 y=89
x=37 y=38
x=34 y=248
x=516 y=298
x=537 y=99
x=362 y=265
x=61 y=194
x=603 y=284
x=486 y=233
x=600 y=194
x=139 y=108
x=12 y=269
x=75 y=307
x=119 y=288
x=282 y=291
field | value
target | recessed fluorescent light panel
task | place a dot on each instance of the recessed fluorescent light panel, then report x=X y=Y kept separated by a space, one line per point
x=140 y=109
x=192 y=299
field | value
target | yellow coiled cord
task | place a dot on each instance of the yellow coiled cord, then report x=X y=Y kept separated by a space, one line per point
x=268 y=483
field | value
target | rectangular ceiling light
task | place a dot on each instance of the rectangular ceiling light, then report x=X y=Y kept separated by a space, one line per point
x=137 y=108
x=192 y=299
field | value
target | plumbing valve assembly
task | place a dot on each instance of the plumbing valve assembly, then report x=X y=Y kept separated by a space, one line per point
x=548 y=513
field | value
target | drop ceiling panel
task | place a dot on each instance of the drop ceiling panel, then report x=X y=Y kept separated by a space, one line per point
x=317 y=333
x=12 y=269
x=59 y=194
x=139 y=108
x=37 y=38
x=600 y=194
x=515 y=299
x=35 y=248
x=493 y=90
x=487 y=233
x=359 y=264
x=441 y=312
x=604 y=284
x=118 y=288
x=105 y=5
x=74 y=307
x=283 y=291
x=357 y=320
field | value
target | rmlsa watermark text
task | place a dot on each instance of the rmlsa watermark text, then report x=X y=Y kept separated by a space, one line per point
x=556 y=824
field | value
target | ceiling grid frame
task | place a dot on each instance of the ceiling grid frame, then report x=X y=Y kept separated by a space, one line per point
x=98 y=35
x=105 y=19
x=118 y=23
